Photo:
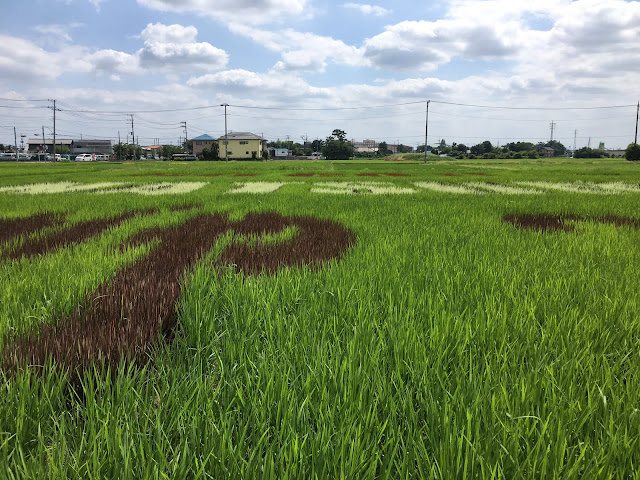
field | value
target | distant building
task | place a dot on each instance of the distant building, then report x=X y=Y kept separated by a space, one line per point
x=37 y=145
x=395 y=148
x=75 y=147
x=91 y=146
x=546 y=152
x=202 y=142
x=366 y=145
x=278 y=152
x=615 y=153
x=152 y=151
x=241 y=146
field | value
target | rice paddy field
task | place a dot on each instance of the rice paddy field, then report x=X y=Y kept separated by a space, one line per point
x=312 y=320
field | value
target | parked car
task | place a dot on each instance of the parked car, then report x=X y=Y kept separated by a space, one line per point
x=85 y=157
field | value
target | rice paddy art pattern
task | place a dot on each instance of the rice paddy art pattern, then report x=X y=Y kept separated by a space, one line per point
x=359 y=187
x=63 y=237
x=257 y=187
x=564 y=223
x=353 y=188
x=125 y=316
x=104 y=187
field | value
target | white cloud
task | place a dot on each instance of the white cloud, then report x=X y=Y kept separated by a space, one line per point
x=302 y=51
x=175 y=46
x=160 y=33
x=54 y=30
x=368 y=9
x=96 y=3
x=250 y=11
x=166 y=47
x=260 y=86
x=21 y=58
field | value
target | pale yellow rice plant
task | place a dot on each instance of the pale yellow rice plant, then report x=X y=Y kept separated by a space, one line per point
x=448 y=188
x=257 y=187
x=354 y=188
x=503 y=189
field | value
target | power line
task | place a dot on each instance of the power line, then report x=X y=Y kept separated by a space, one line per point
x=363 y=107
x=23 y=100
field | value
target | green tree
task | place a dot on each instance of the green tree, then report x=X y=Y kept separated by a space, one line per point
x=383 y=149
x=461 y=147
x=211 y=154
x=482 y=148
x=336 y=147
x=586 y=152
x=316 y=145
x=340 y=135
x=632 y=153
x=520 y=146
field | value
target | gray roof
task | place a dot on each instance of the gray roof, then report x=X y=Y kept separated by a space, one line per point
x=240 y=136
x=49 y=141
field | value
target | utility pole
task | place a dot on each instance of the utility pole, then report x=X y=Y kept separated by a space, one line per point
x=575 y=136
x=44 y=145
x=635 y=140
x=186 y=137
x=226 y=140
x=426 y=133
x=133 y=137
x=54 y=129
x=552 y=125
x=15 y=139
x=119 y=145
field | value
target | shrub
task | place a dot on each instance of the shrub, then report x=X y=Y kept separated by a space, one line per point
x=632 y=153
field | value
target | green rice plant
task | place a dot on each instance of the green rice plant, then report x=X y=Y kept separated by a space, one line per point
x=445 y=342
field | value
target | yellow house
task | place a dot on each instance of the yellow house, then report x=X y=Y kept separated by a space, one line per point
x=241 y=146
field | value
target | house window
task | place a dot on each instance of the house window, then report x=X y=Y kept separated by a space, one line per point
x=244 y=142
x=247 y=153
x=198 y=143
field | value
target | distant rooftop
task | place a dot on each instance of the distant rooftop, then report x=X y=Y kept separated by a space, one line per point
x=241 y=136
x=204 y=137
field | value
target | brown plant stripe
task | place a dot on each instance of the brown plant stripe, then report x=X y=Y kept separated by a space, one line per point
x=69 y=236
x=124 y=317
x=11 y=228
x=317 y=241
x=558 y=222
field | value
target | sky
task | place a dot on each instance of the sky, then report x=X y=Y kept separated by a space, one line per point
x=497 y=70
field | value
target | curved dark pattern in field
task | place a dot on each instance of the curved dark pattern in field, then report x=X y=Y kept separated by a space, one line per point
x=558 y=222
x=69 y=236
x=125 y=316
x=317 y=241
x=11 y=228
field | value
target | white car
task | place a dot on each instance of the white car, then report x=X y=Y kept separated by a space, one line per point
x=85 y=157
